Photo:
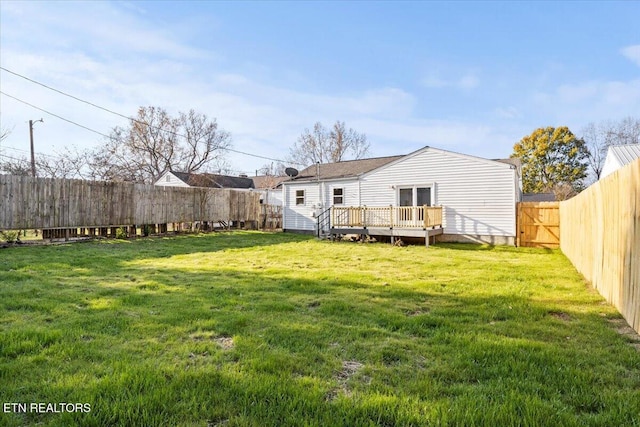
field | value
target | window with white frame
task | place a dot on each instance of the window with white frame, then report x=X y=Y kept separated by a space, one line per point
x=414 y=197
x=338 y=196
x=299 y=197
x=418 y=195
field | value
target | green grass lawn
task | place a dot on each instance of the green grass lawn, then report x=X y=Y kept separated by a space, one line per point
x=255 y=329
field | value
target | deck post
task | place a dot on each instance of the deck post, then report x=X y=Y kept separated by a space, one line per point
x=426 y=238
x=425 y=216
x=364 y=216
x=391 y=217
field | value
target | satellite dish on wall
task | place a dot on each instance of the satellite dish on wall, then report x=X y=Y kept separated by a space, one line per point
x=291 y=172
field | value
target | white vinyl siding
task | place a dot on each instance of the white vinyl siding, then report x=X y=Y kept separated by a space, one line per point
x=300 y=217
x=478 y=195
x=170 y=180
x=350 y=192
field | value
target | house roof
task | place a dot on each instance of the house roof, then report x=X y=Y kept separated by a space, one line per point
x=214 y=180
x=538 y=197
x=625 y=154
x=345 y=169
x=510 y=161
x=353 y=168
x=263 y=182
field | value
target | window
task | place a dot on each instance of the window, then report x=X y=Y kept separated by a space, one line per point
x=406 y=197
x=338 y=196
x=423 y=196
x=415 y=196
x=168 y=178
x=299 y=197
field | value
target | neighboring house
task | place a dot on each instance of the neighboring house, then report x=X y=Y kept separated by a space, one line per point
x=538 y=197
x=182 y=179
x=267 y=186
x=619 y=156
x=478 y=196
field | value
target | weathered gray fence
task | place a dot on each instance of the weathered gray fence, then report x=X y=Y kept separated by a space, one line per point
x=43 y=203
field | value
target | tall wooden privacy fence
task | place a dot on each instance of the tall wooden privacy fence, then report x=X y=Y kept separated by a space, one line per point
x=43 y=203
x=600 y=234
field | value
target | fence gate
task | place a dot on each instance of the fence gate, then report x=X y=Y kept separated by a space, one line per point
x=539 y=224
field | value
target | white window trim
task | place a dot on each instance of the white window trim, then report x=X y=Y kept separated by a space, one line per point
x=414 y=194
x=333 y=196
x=304 y=197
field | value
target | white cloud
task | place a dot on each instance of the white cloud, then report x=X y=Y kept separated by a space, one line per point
x=117 y=57
x=465 y=82
x=583 y=102
x=510 y=112
x=468 y=81
x=632 y=53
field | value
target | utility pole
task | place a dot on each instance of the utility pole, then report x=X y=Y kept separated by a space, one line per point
x=33 y=156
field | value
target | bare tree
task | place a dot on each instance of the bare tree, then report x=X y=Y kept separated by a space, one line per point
x=4 y=133
x=599 y=137
x=69 y=163
x=15 y=166
x=328 y=145
x=597 y=145
x=66 y=164
x=627 y=131
x=155 y=142
x=272 y=169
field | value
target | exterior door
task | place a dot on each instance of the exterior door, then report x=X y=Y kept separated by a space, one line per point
x=423 y=196
x=405 y=212
x=406 y=197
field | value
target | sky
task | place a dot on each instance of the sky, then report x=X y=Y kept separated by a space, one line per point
x=469 y=77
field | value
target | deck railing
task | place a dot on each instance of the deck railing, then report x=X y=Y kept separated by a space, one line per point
x=387 y=216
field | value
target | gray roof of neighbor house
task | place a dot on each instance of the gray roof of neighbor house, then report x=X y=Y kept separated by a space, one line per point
x=345 y=169
x=538 y=197
x=213 y=180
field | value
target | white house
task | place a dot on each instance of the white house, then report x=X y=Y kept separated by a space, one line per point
x=183 y=179
x=478 y=196
x=619 y=156
x=265 y=185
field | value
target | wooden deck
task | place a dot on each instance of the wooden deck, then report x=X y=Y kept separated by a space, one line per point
x=393 y=221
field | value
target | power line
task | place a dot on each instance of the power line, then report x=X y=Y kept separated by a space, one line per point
x=69 y=95
x=123 y=116
x=14 y=158
x=107 y=136
x=62 y=157
x=27 y=151
x=55 y=115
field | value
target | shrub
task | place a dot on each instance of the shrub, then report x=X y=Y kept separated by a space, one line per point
x=121 y=233
x=10 y=236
